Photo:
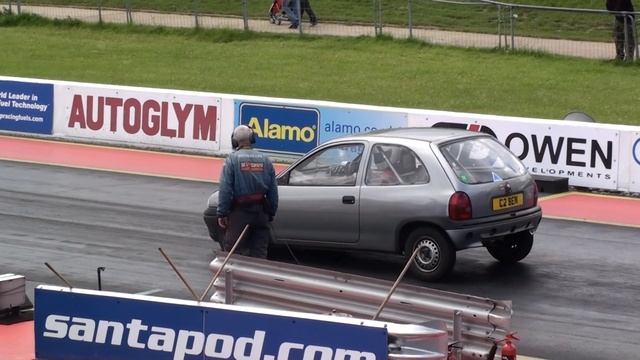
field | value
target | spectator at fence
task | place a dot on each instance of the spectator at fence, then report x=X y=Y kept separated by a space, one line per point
x=291 y=9
x=305 y=6
x=623 y=29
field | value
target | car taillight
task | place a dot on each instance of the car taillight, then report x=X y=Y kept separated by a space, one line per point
x=459 y=206
x=532 y=195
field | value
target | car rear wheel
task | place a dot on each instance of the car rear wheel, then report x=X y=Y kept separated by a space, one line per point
x=436 y=257
x=513 y=248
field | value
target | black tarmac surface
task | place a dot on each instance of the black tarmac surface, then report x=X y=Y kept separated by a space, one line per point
x=577 y=295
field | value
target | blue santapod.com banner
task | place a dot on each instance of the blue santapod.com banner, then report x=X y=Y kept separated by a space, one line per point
x=87 y=324
x=26 y=107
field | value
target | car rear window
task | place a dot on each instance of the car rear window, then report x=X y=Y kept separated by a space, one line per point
x=482 y=160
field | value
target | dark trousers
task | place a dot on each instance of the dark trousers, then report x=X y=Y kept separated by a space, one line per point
x=256 y=240
x=624 y=38
x=306 y=7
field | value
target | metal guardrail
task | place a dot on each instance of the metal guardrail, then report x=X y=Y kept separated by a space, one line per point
x=275 y=285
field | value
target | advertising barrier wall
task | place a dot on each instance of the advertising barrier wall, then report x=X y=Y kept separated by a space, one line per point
x=587 y=154
x=26 y=107
x=634 y=164
x=86 y=324
x=138 y=116
x=296 y=129
x=600 y=156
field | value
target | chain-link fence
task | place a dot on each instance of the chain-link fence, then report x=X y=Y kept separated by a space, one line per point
x=472 y=23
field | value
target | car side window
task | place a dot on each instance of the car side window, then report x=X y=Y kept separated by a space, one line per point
x=334 y=166
x=395 y=165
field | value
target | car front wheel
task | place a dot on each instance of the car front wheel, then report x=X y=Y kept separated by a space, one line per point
x=436 y=256
x=513 y=248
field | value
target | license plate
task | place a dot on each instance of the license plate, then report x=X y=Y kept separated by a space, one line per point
x=506 y=202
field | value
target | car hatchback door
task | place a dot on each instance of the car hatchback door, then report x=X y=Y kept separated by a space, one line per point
x=494 y=179
x=319 y=197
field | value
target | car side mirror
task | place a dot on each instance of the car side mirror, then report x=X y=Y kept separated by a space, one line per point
x=284 y=179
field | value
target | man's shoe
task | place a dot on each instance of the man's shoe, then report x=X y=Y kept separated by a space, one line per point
x=293 y=26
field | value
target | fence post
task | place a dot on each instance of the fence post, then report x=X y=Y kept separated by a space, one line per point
x=375 y=17
x=635 y=38
x=196 y=6
x=228 y=287
x=128 y=12
x=511 y=23
x=499 y=8
x=19 y=7
x=377 y=27
x=245 y=14
x=299 y=15
x=457 y=334
x=410 y=19
x=100 y=12
x=380 y=16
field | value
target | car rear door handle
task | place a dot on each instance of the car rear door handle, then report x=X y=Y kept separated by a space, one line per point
x=348 y=199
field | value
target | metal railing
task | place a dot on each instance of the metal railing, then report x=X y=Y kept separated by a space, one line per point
x=475 y=23
x=476 y=322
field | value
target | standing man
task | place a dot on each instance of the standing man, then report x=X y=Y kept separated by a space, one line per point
x=624 y=29
x=248 y=195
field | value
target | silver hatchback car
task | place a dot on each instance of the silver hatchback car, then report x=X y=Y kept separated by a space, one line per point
x=395 y=190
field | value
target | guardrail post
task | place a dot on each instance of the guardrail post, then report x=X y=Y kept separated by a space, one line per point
x=245 y=14
x=457 y=334
x=409 y=7
x=228 y=287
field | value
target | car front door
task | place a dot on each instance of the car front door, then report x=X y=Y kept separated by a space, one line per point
x=319 y=197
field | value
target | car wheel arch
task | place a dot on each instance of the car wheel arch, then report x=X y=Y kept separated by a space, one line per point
x=407 y=228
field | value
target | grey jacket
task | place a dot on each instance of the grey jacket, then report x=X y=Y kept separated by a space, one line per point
x=247 y=175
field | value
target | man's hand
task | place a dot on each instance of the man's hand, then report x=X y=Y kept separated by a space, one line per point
x=223 y=222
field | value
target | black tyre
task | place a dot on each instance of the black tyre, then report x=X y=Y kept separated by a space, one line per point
x=512 y=248
x=211 y=220
x=436 y=258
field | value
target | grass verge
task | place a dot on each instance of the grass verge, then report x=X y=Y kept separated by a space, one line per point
x=363 y=70
x=425 y=13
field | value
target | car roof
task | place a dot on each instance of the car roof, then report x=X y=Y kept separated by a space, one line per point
x=435 y=135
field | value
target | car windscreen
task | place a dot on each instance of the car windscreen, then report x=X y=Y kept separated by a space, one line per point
x=481 y=160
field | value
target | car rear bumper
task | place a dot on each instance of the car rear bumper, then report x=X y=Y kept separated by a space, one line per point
x=473 y=234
